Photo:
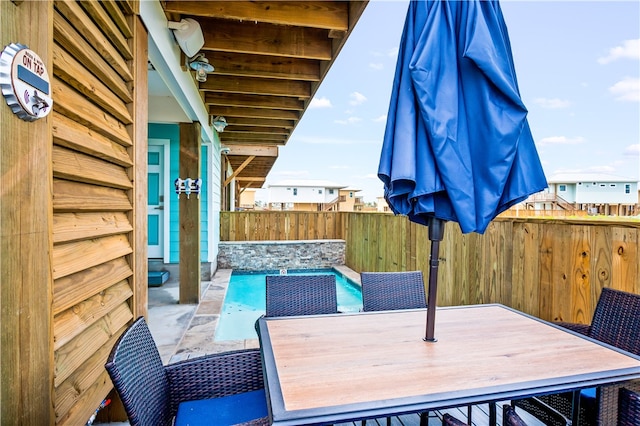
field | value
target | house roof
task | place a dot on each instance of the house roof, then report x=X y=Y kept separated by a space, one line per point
x=588 y=177
x=306 y=184
x=269 y=60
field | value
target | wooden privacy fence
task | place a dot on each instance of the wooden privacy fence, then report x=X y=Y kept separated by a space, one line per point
x=553 y=269
x=281 y=226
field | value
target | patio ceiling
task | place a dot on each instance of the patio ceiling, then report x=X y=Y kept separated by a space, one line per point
x=270 y=58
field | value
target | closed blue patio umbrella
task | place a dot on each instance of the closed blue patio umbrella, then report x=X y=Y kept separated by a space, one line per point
x=457 y=145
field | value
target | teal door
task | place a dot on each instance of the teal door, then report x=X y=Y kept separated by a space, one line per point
x=155 y=212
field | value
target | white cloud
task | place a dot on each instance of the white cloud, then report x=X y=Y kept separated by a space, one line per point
x=630 y=49
x=339 y=167
x=393 y=52
x=627 y=89
x=632 y=150
x=554 y=103
x=320 y=103
x=561 y=140
x=376 y=66
x=350 y=120
x=381 y=119
x=357 y=98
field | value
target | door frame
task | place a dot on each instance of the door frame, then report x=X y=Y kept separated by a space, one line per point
x=166 y=184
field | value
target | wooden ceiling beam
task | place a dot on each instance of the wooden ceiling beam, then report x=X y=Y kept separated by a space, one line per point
x=255 y=137
x=266 y=39
x=318 y=14
x=257 y=86
x=257 y=130
x=241 y=64
x=253 y=101
x=260 y=122
x=239 y=169
x=228 y=112
x=255 y=150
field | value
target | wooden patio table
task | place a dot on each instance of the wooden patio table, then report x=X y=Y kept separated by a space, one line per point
x=332 y=368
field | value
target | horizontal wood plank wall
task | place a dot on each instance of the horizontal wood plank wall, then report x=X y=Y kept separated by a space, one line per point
x=93 y=197
x=554 y=269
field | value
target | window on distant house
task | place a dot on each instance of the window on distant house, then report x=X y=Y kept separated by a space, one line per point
x=331 y=192
x=602 y=185
x=627 y=188
x=562 y=188
x=350 y=194
x=295 y=191
x=613 y=185
x=319 y=191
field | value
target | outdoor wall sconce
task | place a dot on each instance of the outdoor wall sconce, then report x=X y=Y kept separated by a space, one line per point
x=188 y=186
x=219 y=123
x=188 y=35
x=201 y=66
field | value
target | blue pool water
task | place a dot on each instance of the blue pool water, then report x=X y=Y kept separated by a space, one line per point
x=245 y=301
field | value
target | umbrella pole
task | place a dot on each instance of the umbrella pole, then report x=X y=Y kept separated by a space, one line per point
x=436 y=234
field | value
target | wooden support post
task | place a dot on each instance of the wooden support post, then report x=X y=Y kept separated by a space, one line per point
x=26 y=217
x=189 y=215
x=140 y=150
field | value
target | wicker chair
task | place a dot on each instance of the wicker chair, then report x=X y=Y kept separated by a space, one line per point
x=628 y=408
x=385 y=291
x=449 y=420
x=288 y=295
x=224 y=388
x=616 y=321
x=509 y=418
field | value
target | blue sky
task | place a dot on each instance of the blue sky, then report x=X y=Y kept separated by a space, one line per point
x=578 y=68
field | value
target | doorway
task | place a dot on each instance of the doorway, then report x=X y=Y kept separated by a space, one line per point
x=157 y=160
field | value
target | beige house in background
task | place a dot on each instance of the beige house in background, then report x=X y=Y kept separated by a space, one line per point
x=349 y=201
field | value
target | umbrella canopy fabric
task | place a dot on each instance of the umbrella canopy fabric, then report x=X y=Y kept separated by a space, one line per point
x=457 y=144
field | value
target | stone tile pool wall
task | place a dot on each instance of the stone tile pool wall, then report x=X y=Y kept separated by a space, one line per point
x=275 y=255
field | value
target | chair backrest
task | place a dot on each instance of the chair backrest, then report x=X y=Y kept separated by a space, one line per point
x=616 y=320
x=628 y=407
x=137 y=373
x=301 y=295
x=385 y=291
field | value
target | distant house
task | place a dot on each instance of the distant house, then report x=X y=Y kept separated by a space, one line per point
x=349 y=201
x=596 y=193
x=305 y=195
x=382 y=205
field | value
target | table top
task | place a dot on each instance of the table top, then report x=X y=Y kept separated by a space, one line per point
x=331 y=368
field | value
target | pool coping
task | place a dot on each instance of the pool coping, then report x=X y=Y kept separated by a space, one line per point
x=199 y=336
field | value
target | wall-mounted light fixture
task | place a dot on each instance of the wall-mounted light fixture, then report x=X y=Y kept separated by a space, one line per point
x=201 y=66
x=188 y=35
x=219 y=123
x=225 y=150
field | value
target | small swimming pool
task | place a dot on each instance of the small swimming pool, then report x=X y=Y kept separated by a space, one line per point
x=245 y=301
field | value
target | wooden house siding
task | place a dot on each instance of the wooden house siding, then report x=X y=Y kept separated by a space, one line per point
x=99 y=191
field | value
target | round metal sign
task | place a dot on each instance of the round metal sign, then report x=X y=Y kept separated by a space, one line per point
x=25 y=82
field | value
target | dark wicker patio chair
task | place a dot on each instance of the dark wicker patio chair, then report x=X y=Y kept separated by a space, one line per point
x=221 y=389
x=616 y=321
x=628 y=408
x=288 y=295
x=388 y=291
x=385 y=291
x=449 y=420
